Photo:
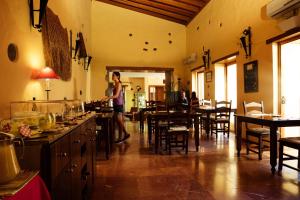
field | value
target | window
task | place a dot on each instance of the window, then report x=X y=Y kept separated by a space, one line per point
x=226 y=83
x=200 y=85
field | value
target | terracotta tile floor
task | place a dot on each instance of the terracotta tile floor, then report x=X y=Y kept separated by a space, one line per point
x=135 y=172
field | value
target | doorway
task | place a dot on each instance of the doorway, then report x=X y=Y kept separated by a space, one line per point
x=289 y=81
x=137 y=82
x=156 y=93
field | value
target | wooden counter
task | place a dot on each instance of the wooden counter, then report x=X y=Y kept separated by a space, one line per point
x=66 y=159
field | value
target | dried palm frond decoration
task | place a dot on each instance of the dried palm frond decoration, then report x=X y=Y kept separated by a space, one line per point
x=56 y=46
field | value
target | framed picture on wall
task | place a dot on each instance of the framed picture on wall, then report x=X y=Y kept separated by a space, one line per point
x=208 y=76
x=251 y=77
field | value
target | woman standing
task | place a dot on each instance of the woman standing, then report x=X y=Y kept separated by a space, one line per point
x=118 y=103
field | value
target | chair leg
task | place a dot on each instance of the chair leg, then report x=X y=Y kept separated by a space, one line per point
x=247 y=143
x=298 y=158
x=228 y=129
x=160 y=138
x=186 y=143
x=169 y=143
x=183 y=144
x=281 y=157
x=216 y=131
x=260 y=146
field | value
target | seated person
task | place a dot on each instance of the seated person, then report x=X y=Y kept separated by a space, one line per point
x=182 y=98
x=194 y=100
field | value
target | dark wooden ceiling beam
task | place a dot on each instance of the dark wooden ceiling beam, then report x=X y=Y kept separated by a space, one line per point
x=179 y=5
x=123 y=4
x=179 y=11
x=199 y=4
x=166 y=7
x=154 y=10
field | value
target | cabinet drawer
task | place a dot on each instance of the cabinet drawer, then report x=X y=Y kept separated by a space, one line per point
x=60 y=155
x=76 y=143
x=65 y=151
x=84 y=133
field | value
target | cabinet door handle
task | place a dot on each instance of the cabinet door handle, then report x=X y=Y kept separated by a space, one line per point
x=65 y=154
x=77 y=141
x=74 y=165
x=85 y=175
x=71 y=170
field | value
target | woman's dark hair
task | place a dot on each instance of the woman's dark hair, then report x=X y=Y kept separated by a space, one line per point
x=117 y=74
x=193 y=95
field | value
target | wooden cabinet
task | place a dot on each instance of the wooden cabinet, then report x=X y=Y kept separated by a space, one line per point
x=88 y=158
x=66 y=162
x=76 y=153
x=76 y=164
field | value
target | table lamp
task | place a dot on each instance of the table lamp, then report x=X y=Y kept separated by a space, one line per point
x=47 y=74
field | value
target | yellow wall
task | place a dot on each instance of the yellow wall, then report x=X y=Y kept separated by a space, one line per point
x=15 y=81
x=112 y=45
x=235 y=16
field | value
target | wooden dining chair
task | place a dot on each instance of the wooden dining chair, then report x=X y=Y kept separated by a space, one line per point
x=220 y=122
x=261 y=133
x=178 y=131
x=290 y=142
x=203 y=117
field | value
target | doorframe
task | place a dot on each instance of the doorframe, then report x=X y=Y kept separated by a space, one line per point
x=138 y=69
x=279 y=44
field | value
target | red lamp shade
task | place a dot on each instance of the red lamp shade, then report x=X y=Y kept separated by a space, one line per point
x=47 y=73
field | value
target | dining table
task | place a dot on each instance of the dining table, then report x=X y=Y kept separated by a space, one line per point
x=271 y=121
x=106 y=126
x=142 y=113
x=163 y=116
x=207 y=111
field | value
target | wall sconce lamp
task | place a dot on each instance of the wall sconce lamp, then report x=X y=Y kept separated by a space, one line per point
x=37 y=12
x=87 y=62
x=47 y=74
x=246 y=41
x=206 y=58
x=77 y=46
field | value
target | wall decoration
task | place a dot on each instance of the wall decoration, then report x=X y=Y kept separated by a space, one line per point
x=130 y=34
x=144 y=49
x=251 y=76
x=246 y=41
x=206 y=58
x=56 y=45
x=71 y=42
x=146 y=42
x=82 y=49
x=154 y=49
x=170 y=41
x=12 y=52
x=87 y=62
x=208 y=76
x=37 y=13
